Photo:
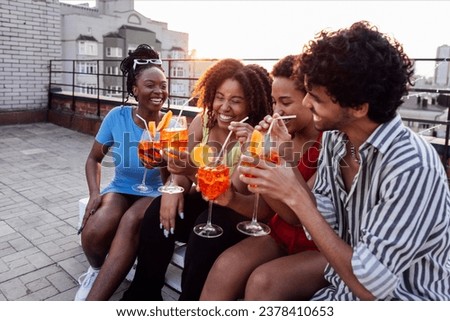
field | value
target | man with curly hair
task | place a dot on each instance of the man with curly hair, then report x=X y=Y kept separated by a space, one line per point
x=380 y=207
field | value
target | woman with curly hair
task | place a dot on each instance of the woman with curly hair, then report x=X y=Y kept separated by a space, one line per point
x=284 y=265
x=229 y=91
x=379 y=210
x=113 y=216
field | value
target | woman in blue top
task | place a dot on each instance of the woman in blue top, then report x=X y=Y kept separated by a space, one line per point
x=113 y=216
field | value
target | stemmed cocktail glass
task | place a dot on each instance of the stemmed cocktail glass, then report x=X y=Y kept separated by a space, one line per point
x=213 y=180
x=260 y=150
x=149 y=154
x=174 y=138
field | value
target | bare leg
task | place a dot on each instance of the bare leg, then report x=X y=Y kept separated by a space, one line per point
x=101 y=227
x=122 y=252
x=293 y=277
x=226 y=279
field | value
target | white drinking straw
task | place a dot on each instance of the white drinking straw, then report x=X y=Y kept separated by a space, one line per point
x=281 y=117
x=182 y=108
x=146 y=126
x=227 y=139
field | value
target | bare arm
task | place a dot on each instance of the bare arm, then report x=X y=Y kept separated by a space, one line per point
x=93 y=177
x=297 y=195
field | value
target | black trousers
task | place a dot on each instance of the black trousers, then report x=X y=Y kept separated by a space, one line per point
x=155 y=250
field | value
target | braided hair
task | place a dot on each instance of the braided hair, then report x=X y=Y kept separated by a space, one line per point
x=143 y=51
x=254 y=80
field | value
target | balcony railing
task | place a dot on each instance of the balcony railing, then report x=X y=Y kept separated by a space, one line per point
x=67 y=76
x=95 y=72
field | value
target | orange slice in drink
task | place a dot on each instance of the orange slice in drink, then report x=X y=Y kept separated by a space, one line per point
x=152 y=128
x=255 y=146
x=200 y=155
x=165 y=121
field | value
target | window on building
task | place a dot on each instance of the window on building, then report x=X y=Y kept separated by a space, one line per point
x=177 y=101
x=177 y=89
x=112 y=70
x=114 y=90
x=177 y=54
x=114 y=52
x=88 y=48
x=87 y=67
x=87 y=88
x=177 y=72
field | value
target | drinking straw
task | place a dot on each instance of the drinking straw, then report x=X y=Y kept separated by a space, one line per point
x=281 y=117
x=227 y=139
x=267 y=135
x=146 y=126
x=182 y=108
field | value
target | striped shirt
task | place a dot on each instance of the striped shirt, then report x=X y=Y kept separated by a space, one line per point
x=396 y=215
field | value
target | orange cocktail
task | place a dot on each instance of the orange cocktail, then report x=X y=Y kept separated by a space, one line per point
x=174 y=139
x=149 y=153
x=213 y=181
x=260 y=152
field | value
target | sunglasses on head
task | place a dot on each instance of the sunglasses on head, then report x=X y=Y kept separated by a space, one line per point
x=146 y=61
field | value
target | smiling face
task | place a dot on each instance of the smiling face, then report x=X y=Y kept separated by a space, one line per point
x=327 y=115
x=288 y=100
x=229 y=103
x=151 y=89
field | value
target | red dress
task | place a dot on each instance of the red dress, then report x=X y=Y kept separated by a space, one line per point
x=293 y=238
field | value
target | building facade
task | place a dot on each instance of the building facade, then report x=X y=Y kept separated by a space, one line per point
x=34 y=34
x=99 y=38
x=29 y=39
x=442 y=71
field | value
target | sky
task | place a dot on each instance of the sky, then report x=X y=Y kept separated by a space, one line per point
x=273 y=29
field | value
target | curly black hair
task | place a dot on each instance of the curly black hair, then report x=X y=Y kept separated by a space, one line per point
x=288 y=67
x=254 y=79
x=143 y=51
x=359 y=65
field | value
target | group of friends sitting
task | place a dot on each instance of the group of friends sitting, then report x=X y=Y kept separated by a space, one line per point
x=358 y=205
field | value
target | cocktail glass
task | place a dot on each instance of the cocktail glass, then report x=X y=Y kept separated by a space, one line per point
x=213 y=180
x=150 y=156
x=253 y=227
x=174 y=138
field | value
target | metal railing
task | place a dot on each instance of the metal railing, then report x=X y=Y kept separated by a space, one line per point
x=59 y=67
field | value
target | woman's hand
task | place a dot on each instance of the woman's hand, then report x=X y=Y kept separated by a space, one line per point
x=171 y=206
x=242 y=131
x=279 y=131
x=280 y=138
x=95 y=200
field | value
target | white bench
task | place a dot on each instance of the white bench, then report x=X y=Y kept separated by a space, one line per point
x=173 y=275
